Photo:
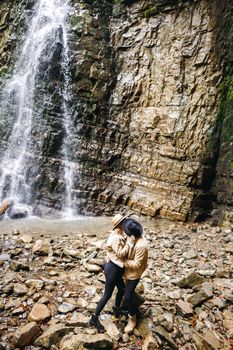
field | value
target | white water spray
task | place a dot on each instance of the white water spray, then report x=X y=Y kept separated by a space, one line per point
x=48 y=20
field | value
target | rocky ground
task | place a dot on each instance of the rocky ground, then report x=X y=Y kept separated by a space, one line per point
x=49 y=288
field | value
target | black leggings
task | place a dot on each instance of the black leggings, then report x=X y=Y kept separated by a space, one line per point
x=128 y=301
x=113 y=275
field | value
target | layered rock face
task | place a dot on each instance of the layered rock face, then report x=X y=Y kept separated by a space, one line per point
x=146 y=99
x=165 y=103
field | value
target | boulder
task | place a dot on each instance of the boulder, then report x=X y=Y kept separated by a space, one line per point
x=41 y=247
x=17 y=212
x=184 y=309
x=200 y=297
x=87 y=341
x=39 y=312
x=25 y=335
x=52 y=335
x=190 y=281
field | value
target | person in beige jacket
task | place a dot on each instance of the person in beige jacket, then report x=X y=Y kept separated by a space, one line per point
x=117 y=247
x=135 y=265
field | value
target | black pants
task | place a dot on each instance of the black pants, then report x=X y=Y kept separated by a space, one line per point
x=128 y=297
x=113 y=275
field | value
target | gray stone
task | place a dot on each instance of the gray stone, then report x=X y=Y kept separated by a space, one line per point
x=19 y=266
x=35 y=284
x=78 y=320
x=86 y=341
x=200 y=297
x=190 y=281
x=5 y=257
x=52 y=335
x=17 y=212
x=20 y=289
x=184 y=309
x=64 y=308
x=191 y=254
x=166 y=337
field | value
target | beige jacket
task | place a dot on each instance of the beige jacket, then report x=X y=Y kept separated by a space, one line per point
x=136 y=262
x=117 y=247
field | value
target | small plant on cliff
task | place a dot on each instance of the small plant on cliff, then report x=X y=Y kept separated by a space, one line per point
x=226 y=91
x=152 y=11
x=124 y=2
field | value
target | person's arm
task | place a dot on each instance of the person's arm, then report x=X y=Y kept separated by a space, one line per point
x=119 y=247
x=139 y=259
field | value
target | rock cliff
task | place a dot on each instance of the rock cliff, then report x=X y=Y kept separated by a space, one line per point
x=152 y=106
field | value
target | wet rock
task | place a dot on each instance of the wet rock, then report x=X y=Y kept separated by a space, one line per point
x=16 y=212
x=25 y=335
x=39 y=312
x=52 y=335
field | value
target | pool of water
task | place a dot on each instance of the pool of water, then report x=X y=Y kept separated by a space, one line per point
x=55 y=227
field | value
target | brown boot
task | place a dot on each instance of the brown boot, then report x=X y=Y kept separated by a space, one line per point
x=131 y=324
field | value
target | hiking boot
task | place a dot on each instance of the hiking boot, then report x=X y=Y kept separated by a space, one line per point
x=131 y=324
x=94 y=321
x=117 y=312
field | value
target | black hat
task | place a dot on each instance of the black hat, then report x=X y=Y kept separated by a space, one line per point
x=132 y=227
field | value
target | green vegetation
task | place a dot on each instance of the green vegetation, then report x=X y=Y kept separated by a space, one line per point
x=154 y=6
x=226 y=90
x=152 y=11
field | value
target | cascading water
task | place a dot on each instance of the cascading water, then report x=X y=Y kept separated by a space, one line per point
x=68 y=144
x=18 y=167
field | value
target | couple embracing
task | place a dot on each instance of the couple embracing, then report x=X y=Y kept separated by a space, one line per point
x=127 y=255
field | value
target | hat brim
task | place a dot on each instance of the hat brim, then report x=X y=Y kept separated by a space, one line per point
x=127 y=225
x=118 y=222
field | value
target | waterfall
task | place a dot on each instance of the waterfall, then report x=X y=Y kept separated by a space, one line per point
x=18 y=100
x=68 y=145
